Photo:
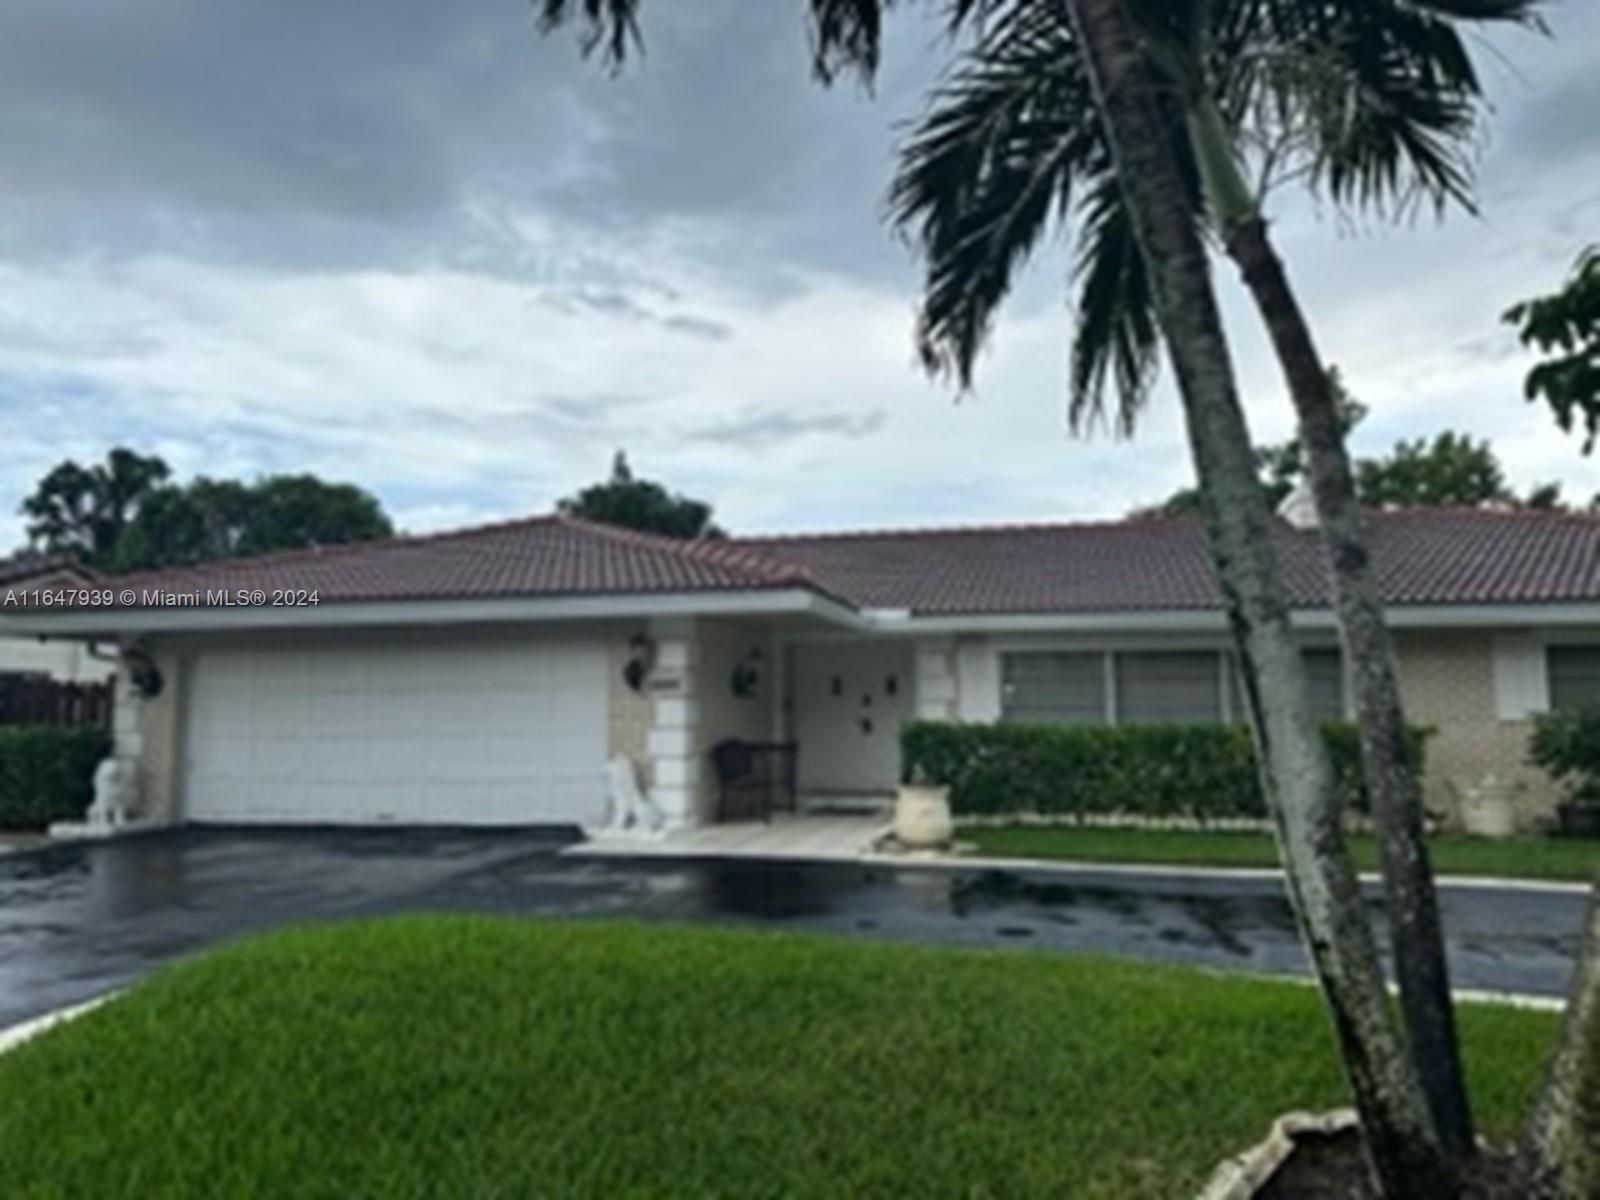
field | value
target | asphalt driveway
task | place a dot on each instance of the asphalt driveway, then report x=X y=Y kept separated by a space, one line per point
x=78 y=920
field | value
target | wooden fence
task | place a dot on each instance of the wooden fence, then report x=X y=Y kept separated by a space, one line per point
x=40 y=700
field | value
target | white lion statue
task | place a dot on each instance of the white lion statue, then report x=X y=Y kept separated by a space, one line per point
x=631 y=810
x=116 y=792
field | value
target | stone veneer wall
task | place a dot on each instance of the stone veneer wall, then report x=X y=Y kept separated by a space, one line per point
x=148 y=731
x=1447 y=682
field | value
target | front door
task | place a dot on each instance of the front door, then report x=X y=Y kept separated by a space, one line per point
x=849 y=700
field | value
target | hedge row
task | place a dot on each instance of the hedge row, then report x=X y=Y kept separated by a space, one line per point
x=47 y=773
x=1205 y=772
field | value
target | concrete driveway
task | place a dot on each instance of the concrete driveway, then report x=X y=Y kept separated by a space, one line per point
x=78 y=920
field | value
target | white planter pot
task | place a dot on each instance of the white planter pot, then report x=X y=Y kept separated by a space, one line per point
x=922 y=817
x=1489 y=809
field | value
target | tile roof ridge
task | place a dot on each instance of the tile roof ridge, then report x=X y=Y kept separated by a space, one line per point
x=1132 y=519
x=1487 y=511
x=721 y=552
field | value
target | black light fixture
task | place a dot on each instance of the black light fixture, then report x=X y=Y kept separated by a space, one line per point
x=143 y=673
x=746 y=675
x=641 y=658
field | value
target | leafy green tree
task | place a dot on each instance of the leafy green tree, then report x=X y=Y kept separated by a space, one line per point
x=640 y=504
x=82 y=511
x=1449 y=470
x=1282 y=465
x=125 y=514
x=223 y=518
x=1565 y=327
x=1452 y=469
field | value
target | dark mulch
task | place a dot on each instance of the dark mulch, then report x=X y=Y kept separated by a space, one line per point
x=1333 y=1167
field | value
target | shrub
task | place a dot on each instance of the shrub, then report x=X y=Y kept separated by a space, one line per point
x=1566 y=745
x=1205 y=772
x=47 y=773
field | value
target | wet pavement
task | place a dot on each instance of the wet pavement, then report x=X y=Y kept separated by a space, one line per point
x=78 y=920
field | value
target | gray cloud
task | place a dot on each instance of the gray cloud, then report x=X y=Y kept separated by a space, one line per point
x=701 y=327
x=756 y=428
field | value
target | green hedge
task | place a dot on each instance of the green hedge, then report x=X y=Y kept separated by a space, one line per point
x=1206 y=772
x=47 y=773
x=1566 y=744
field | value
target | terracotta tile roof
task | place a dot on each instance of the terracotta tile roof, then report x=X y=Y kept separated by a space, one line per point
x=538 y=556
x=1439 y=556
x=38 y=570
x=1433 y=556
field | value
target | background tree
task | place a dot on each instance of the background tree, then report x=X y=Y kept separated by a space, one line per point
x=124 y=514
x=1565 y=327
x=223 y=518
x=640 y=504
x=82 y=511
x=1281 y=465
x=1452 y=469
x=1449 y=470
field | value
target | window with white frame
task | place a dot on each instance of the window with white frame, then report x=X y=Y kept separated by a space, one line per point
x=1145 y=686
x=1574 y=674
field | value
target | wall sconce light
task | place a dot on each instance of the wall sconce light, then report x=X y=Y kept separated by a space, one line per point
x=641 y=658
x=143 y=673
x=746 y=675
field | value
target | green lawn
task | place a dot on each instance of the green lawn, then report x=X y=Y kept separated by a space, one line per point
x=1453 y=854
x=485 y=1057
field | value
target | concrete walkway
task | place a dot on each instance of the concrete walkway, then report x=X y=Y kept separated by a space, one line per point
x=857 y=841
x=806 y=838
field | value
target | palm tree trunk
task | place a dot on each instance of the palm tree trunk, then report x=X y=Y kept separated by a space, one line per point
x=1399 y=1131
x=1392 y=783
x=1564 y=1135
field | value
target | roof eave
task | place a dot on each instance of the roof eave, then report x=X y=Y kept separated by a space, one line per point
x=110 y=624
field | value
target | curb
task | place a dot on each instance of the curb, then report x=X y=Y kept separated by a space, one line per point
x=1182 y=871
x=15 y=1035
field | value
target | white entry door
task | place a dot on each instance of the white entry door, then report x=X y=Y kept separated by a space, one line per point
x=474 y=732
x=849 y=700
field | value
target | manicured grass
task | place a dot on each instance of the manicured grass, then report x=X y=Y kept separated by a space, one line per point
x=485 y=1057
x=1453 y=854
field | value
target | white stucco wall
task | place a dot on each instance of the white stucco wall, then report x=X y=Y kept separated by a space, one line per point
x=66 y=661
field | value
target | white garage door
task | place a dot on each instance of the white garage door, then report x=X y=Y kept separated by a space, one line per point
x=466 y=732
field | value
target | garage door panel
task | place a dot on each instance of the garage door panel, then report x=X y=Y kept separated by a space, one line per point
x=506 y=732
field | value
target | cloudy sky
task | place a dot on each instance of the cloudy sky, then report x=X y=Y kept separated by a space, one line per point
x=417 y=246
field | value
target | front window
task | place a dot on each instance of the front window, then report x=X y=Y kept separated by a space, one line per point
x=1574 y=676
x=1167 y=687
x=1065 y=688
x=1181 y=687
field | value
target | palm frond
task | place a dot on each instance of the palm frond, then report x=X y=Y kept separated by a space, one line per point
x=985 y=170
x=1379 y=99
x=1116 y=335
x=610 y=27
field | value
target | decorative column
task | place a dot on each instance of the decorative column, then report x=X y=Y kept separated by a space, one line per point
x=674 y=742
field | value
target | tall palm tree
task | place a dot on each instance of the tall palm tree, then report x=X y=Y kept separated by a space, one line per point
x=1153 y=184
x=1370 y=105
x=1144 y=192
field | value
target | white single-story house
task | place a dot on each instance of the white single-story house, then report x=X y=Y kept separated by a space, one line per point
x=488 y=675
x=64 y=661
